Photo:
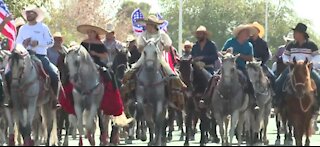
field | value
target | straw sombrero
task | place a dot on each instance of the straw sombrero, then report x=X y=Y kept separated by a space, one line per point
x=188 y=43
x=19 y=21
x=110 y=28
x=35 y=9
x=84 y=29
x=202 y=29
x=130 y=38
x=57 y=34
x=259 y=27
x=152 y=19
x=239 y=28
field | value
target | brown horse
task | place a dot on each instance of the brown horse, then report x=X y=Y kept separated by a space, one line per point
x=300 y=103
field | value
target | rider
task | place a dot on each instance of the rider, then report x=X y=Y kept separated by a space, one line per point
x=152 y=31
x=112 y=45
x=281 y=49
x=205 y=50
x=240 y=45
x=261 y=50
x=187 y=47
x=57 y=49
x=132 y=47
x=19 y=22
x=301 y=48
x=35 y=36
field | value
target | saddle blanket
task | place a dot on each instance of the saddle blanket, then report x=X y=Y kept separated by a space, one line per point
x=111 y=103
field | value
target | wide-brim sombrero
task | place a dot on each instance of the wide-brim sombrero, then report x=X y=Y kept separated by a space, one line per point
x=259 y=27
x=242 y=27
x=34 y=8
x=202 y=29
x=152 y=19
x=85 y=28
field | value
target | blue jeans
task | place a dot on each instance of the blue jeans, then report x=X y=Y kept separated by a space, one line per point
x=283 y=77
x=51 y=70
x=270 y=75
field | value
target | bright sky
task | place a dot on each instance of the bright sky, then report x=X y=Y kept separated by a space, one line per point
x=308 y=9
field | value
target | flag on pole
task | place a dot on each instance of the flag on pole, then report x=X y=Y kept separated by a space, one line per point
x=137 y=15
x=9 y=29
x=164 y=25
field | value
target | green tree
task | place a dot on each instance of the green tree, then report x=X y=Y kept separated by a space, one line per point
x=220 y=17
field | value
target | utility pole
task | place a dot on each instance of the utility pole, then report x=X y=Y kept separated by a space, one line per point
x=266 y=20
x=180 y=27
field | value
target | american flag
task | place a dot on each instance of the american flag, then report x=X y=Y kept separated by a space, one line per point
x=137 y=15
x=164 y=25
x=9 y=29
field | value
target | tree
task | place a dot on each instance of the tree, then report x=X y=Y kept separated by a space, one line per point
x=16 y=6
x=220 y=17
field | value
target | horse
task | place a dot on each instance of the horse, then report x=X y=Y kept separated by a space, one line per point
x=88 y=89
x=31 y=94
x=263 y=92
x=229 y=99
x=299 y=100
x=280 y=67
x=151 y=93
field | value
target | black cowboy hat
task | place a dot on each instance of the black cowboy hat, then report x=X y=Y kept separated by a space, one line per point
x=300 y=27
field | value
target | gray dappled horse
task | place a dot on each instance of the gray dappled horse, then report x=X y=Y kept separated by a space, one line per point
x=229 y=99
x=88 y=89
x=31 y=94
x=258 y=119
x=151 y=94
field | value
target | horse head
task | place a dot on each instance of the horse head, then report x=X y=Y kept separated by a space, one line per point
x=20 y=61
x=186 y=70
x=151 y=54
x=5 y=56
x=229 y=66
x=300 y=77
x=255 y=71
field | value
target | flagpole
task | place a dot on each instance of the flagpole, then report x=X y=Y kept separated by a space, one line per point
x=180 y=27
x=266 y=20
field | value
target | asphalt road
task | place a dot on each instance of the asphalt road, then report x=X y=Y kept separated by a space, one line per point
x=315 y=139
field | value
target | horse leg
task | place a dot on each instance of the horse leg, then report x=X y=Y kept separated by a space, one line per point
x=188 y=124
x=204 y=125
x=11 y=141
x=60 y=121
x=103 y=131
x=67 y=125
x=278 y=123
x=170 y=122
x=79 y=119
x=234 y=121
x=213 y=132
x=90 y=124
x=180 y=124
x=265 y=126
x=49 y=118
x=298 y=133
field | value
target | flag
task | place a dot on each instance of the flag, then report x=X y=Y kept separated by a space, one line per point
x=9 y=29
x=164 y=25
x=137 y=15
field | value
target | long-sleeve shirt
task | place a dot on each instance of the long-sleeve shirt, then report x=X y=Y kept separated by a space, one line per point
x=261 y=50
x=38 y=32
x=209 y=52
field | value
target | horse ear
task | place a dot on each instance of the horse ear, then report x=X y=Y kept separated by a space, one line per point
x=306 y=61
x=294 y=60
x=259 y=62
x=310 y=65
x=236 y=56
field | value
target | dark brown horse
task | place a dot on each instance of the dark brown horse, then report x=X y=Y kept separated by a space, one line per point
x=300 y=102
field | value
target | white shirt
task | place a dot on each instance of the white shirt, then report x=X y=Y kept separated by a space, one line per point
x=38 y=32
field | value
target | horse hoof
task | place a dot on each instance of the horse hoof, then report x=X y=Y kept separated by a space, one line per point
x=150 y=144
x=128 y=141
x=103 y=139
x=169 y=138
x=277 y=143
x=181 y=138
x=11 y=140
x=215 y=140
x=186 y=144
x=80 y=142
x=65 y=144
x=266 y=142
x=143 y=138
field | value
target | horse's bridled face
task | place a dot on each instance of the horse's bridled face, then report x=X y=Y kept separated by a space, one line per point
x=253 y=72
x=228 y=67
x=301 y=76
x=73 y=62
x=151 y=56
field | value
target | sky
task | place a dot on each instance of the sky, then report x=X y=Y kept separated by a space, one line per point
x=308 y=9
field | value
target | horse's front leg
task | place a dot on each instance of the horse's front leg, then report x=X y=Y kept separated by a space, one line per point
x=103 y=125
x=79 y=119
x=9 y=113
x=90 y=124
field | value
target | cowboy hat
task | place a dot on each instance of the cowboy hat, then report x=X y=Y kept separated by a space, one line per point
x=19 y=21
x=289 y=37
x=130 y=38
x=110 y=28
x=259 y=27
x=302 y=28
x=34 y=8
x=202 y=28
x=57 y=35
x=152 y=19
x=85 y=28
x=239 y=28
x=188 y=43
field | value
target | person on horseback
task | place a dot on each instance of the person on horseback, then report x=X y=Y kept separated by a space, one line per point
x=133 y=49
x=187 y=48
x=57 y=49
x=152 y=31
x=301 y=48
x=205 y=50
x=35 y=36
x=240 y=44
x=112 y=45
x=278 y=55
x=261 y=50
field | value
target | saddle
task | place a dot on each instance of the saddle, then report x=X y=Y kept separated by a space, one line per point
x=40 y=70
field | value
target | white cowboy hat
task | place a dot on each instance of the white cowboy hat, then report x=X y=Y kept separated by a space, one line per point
x=239 y=28
x=57 y=34
x=34 y=8
x=259 y=27
x=152 y=19
x=130 y=38
x=289 y=37
x=85 y=28
x=110 y=28
x=19 y=21
x=202 y=29
x=188 y=43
